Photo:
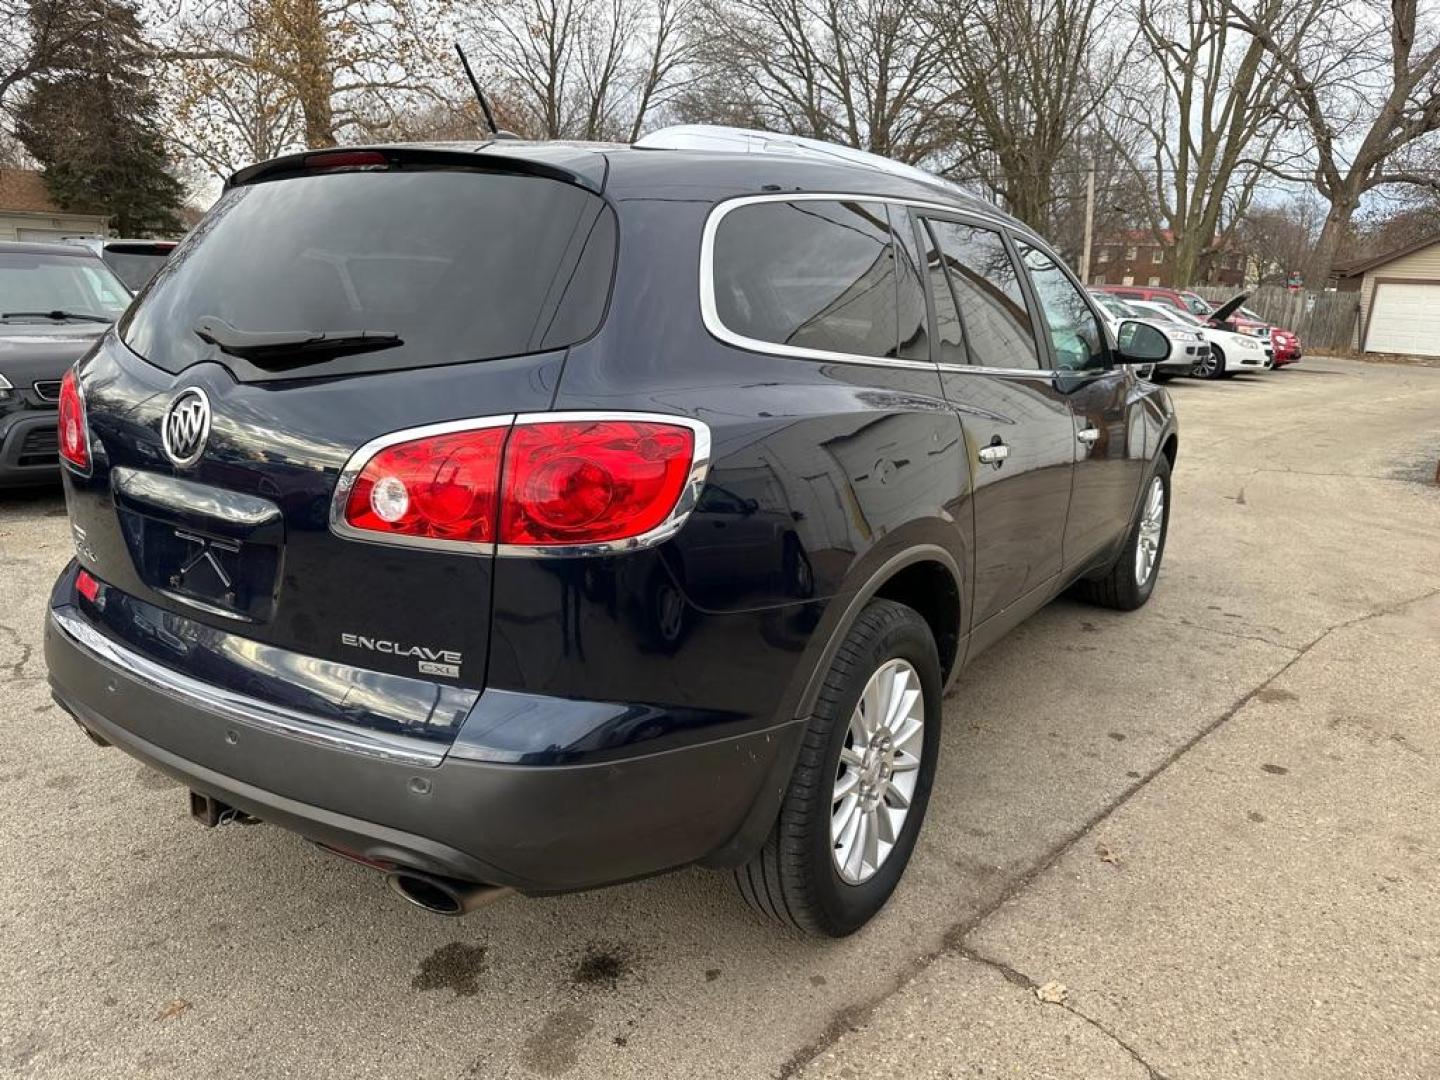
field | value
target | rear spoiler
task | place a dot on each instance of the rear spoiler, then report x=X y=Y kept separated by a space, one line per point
x=569 y=163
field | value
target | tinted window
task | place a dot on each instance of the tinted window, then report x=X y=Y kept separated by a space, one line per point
x=910 y=293
x=809 y=274
x=987 y=290
x=461 y=265
x=135 y=266
x=1075 y=332
x=948 y=335
x=42 y=282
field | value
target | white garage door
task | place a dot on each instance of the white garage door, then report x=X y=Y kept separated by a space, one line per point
x=1406 y=319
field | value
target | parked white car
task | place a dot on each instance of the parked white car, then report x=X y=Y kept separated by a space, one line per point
x=1230 y=353
x=1187 y=346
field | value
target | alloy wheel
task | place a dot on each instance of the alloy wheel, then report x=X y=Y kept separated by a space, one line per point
x=1152 y=520
x=878 y=770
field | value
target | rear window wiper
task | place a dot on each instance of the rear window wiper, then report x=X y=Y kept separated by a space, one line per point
x=58 y=314
x=259 y=346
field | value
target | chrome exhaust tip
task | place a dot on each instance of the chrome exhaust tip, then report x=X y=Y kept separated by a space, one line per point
x=442 y=895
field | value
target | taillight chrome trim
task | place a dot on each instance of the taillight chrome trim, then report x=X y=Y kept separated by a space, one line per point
x=689 y=494
x=356 y=465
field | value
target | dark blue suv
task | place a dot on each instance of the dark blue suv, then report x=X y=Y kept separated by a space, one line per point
x=513 y=516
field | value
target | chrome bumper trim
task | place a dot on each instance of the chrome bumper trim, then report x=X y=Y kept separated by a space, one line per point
x=251 y=712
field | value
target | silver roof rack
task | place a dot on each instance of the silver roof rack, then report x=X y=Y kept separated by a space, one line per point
x=733 y=140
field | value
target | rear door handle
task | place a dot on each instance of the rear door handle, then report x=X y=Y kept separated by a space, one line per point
x=1089 y=436
x=994 y=454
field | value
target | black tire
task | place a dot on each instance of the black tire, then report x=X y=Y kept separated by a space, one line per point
x=1218 y=371
x=793 y=879
x=1118 y=588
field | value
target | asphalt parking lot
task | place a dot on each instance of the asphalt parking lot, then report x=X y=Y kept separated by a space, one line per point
x=1204 y=832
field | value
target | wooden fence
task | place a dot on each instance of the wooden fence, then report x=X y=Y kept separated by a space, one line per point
x=1324 y=320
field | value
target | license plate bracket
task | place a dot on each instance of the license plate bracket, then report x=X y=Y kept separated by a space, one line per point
x=222 y=574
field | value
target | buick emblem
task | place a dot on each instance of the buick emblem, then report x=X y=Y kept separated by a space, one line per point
x=186 y=427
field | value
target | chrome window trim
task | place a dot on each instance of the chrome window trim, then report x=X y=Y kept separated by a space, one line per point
x=241 y=709
x=710 y=314
x=361 y=457
x=689 y=494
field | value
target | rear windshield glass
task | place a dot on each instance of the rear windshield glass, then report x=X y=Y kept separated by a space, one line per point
x=447 y=265
x=33 y=284
x=135 y=267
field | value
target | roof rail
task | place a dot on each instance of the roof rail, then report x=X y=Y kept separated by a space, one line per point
x=733 y=140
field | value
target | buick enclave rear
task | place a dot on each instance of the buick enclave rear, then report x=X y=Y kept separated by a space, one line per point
x=537 y=517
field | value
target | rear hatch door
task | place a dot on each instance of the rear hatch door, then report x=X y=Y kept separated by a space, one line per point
x=470 y=277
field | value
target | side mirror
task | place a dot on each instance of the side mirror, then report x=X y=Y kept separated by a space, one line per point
x=1141 y=343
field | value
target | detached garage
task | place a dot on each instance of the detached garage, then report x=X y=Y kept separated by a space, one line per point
x=1400 y=300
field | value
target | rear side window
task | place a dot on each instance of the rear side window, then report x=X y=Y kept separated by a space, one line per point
x=909 y=292
x=987 y=290
x=459 y=265
x=949 y=337
x=809 y=274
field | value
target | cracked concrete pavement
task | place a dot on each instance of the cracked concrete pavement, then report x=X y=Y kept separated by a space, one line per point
x=1209 y=821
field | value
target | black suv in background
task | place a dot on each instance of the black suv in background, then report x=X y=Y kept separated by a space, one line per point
x=135 y=262
x=55 y=302
x=539 y=516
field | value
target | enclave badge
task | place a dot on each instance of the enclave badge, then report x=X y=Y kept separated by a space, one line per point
x=186 y=427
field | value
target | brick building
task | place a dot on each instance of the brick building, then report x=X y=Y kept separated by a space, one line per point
x=1138 y=258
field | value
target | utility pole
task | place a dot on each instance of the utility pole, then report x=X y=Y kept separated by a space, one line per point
x=1089 y=225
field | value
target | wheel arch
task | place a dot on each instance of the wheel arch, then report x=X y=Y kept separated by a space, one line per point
x=901 y=578
x=925 y=577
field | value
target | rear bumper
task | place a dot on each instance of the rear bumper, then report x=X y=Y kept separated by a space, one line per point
x=534 y=828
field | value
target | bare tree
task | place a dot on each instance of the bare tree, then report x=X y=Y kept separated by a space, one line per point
x=1033 y=74
x=582 y=69
x=1278 y=237
x=865 y=73
x=1211 y=110
x=339 y=64
x=1364 y=78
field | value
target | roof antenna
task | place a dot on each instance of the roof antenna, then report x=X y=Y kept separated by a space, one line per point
x=480 y=97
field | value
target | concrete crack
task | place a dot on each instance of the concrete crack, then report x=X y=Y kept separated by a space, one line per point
x=1234 y=634
x=1025 y=982
x=853 y=1016
x=13 y=672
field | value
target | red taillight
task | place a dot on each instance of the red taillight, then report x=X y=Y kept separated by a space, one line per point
x=592 y=481
x=443 y=487
x=540 y=483
x=74 y=436
x=87 y=586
